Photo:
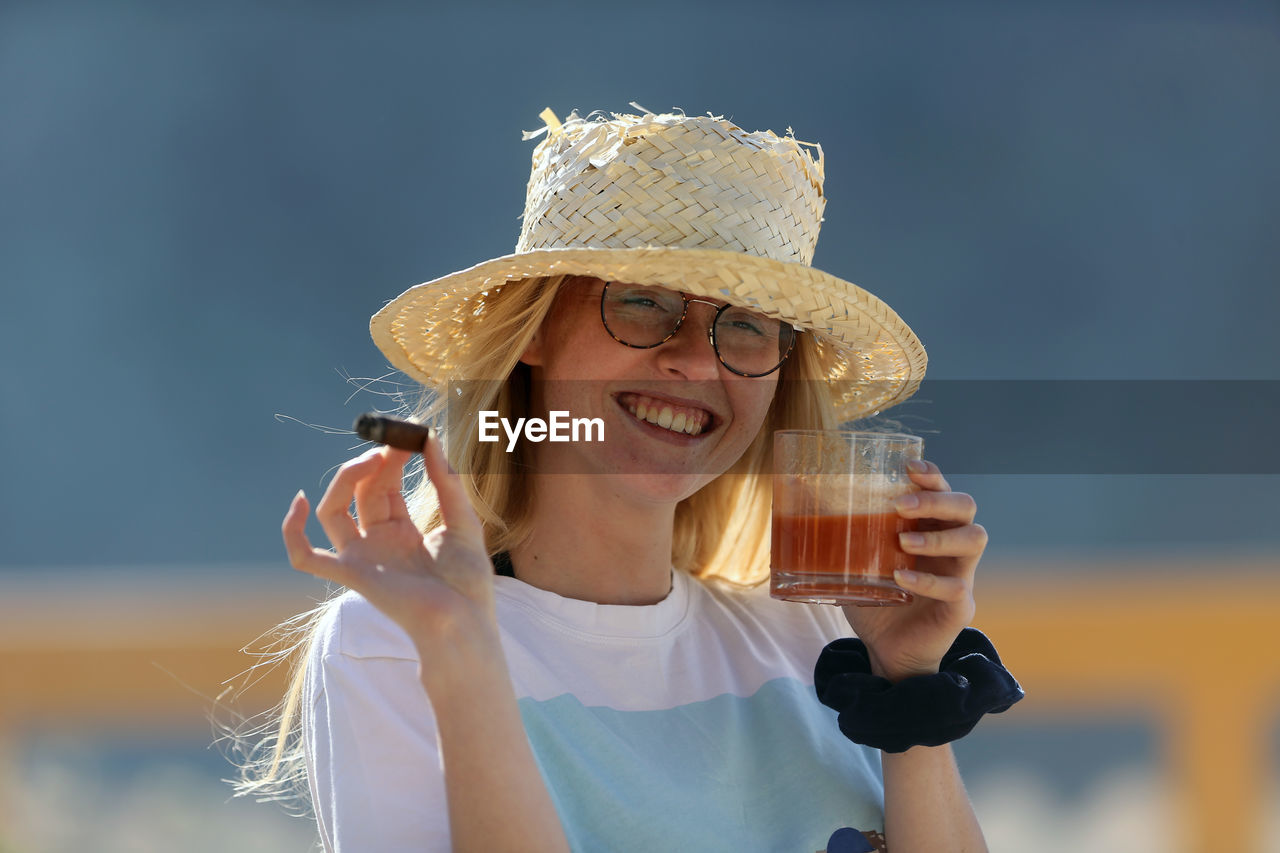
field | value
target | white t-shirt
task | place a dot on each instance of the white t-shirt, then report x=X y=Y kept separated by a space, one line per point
x=690 y=724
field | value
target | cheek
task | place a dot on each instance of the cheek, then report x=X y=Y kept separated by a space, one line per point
x=751 y=403
x=750 y=411
x=584 y=355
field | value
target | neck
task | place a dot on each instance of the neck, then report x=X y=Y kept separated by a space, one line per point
x=594 y=544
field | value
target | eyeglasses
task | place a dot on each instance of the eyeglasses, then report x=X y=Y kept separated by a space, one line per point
x=644 y=317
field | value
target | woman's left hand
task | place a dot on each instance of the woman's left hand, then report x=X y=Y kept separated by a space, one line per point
x=911 y=639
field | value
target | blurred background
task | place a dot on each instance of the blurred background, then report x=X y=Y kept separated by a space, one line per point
x=202 y=204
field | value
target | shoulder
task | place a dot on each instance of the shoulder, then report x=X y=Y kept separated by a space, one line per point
x=351 y=627
x=360 y=662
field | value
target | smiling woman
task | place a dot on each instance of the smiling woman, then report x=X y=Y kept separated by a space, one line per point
x=564 y=645
x=563 y=311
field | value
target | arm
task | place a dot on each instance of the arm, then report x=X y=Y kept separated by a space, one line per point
x=926 y=807
x=439 y=589
x=495 y=791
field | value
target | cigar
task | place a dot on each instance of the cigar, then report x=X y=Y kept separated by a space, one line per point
x=394 y=432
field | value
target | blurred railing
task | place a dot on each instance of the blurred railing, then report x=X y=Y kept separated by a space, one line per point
x=1191 y=648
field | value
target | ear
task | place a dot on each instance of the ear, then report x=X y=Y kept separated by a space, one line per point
x=532 y=355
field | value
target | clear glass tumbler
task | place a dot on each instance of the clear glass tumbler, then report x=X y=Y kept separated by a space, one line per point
x=835 y=529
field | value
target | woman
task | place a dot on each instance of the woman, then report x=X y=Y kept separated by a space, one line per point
x=622 y=682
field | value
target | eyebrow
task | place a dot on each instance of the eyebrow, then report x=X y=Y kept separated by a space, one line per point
x=705 y=299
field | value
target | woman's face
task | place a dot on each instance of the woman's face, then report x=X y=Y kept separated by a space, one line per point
x=643 y=397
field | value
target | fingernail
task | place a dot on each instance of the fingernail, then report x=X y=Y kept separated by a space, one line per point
x=905 y=576
x=908 y=501
x=917 y=465
x=913 y=540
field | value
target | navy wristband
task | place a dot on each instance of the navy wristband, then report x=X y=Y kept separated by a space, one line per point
x=923 y=710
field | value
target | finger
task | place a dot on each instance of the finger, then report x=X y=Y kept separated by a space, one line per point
x=967 y=541
x=455 y=508
x=334 y=509
x=937 y=587
x=302 y=555
x=942 y=506
x=380 y=498
x=929 y=477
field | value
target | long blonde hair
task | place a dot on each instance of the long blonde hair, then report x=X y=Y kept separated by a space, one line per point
x=721 y=532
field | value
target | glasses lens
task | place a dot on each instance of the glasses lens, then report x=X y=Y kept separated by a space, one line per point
x=645 y=316
x=752 y=343
x=641 y=316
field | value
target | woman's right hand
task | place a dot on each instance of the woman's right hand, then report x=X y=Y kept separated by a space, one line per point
x=437 y=587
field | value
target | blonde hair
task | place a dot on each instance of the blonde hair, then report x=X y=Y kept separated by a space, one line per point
x=720 y=533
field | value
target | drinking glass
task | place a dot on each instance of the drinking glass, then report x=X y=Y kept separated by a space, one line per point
x=835 y=529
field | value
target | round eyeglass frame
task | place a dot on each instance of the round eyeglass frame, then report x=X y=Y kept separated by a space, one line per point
x=711 y=332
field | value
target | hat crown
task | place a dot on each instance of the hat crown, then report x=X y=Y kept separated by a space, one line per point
x=695 y=182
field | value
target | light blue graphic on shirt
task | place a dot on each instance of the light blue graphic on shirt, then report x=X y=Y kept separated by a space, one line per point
x=766 y=772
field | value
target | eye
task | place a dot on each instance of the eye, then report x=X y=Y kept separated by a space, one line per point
x=637 y=301
x=746 y=324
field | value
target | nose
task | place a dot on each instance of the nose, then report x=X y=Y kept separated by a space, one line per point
x=689 y=352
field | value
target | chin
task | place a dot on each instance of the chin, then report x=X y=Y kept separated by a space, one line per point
x=663 y=488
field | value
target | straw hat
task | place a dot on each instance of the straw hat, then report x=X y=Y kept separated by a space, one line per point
x=692 y=203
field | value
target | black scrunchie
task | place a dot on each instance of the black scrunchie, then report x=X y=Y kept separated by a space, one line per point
x=924 y=710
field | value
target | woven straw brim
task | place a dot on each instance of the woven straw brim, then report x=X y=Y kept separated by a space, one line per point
x=870 y=358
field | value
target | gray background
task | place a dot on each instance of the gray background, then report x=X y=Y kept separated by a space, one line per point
x=201 y=205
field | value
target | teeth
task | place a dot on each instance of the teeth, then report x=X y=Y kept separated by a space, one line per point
x=667 y=418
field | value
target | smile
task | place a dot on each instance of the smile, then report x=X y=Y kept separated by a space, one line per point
x=675 y=417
